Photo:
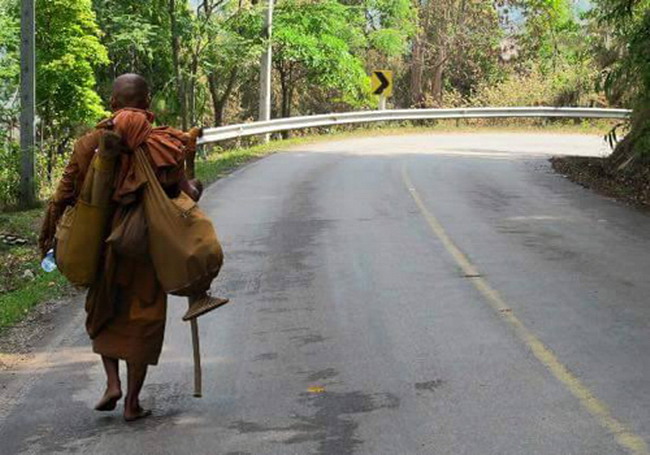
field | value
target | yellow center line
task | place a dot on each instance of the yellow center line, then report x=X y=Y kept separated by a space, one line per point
x=623 y=435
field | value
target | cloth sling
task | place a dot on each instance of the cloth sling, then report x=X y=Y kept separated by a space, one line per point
x=183 y=243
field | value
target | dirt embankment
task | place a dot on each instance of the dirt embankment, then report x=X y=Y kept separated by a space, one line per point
x=630 y=185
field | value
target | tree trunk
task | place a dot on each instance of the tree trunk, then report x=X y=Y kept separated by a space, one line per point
x=217 y=107
x=219 y=102
x=284 y=88
x=437 y=77
x=287 y=92
x=419 y=56
x=416 y=73
x=192 y=91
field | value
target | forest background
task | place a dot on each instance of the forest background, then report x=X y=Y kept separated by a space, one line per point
x=202 y=60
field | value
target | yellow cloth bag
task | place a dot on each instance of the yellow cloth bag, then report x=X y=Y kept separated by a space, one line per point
x=83 y=227
x=183 y=244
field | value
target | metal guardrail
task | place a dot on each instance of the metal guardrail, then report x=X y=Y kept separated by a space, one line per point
x=211 y=135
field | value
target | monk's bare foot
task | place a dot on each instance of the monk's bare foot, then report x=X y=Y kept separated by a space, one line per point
x=109 y=400
x=203 y=304
x=136 y=414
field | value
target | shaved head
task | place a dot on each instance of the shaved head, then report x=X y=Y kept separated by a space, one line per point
x=130 y=90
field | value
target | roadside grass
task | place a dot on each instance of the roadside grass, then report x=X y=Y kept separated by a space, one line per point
x=16 y=260
x=22 y=282
x=21 y=290
x=216 y=163
x=15 y=305
x=22 y=223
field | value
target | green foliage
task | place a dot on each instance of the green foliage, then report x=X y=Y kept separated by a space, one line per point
x=627 y=78
x=67 y=51
x=9 y=172
x=229 y=57
x=389 y=24
x=9 y=80
x=551 y=33
x=9 y=62
x=137 y=37
x=9 y=103
x=315 y=43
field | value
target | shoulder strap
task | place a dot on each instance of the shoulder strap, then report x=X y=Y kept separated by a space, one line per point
x=143 y=166
x=86 y=188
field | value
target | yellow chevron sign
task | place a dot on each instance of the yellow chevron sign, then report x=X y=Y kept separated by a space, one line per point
x=382 y=82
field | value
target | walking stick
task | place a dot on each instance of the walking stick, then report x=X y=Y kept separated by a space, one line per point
x=194 y=325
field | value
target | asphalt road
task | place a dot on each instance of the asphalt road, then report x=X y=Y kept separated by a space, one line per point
x=426 y=294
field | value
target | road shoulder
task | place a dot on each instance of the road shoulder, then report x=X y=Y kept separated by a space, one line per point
x=630 y=186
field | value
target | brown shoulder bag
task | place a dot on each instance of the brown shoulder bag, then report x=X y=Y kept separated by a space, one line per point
x=183 y=244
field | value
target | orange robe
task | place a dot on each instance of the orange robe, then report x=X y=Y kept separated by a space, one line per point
x=126 y=307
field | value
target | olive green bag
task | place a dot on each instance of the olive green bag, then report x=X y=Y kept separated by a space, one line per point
x=82 y=229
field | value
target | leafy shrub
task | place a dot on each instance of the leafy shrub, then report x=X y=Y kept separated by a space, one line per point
x=9 y=173
x=563 y=86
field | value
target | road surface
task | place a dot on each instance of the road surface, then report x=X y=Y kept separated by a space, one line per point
x=422 y=294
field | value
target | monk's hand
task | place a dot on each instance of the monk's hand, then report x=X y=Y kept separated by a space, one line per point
x=111 y=144
x=48 y=229
x=194 y=134
x=198 y=187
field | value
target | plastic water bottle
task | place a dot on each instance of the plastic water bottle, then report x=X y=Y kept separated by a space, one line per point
x=49 y=264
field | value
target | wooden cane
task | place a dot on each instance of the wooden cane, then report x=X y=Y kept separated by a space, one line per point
x=190 y=173
x=194 y=325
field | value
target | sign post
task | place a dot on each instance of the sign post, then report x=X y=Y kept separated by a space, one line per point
x=382 y=85
x=382 y=102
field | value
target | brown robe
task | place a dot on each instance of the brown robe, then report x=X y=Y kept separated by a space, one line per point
x=126 y=307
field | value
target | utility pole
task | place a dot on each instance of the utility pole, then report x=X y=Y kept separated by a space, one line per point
x=27 y=103
x=265 y=68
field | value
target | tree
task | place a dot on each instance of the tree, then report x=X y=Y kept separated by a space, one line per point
x=314 y=44
x=9 y=65
x=67 y=52
x=388 y=27
x=628 y=24
x=231 y=54
x=138 y=38
x=9 y=102
x=551 y=33
x=462 y=32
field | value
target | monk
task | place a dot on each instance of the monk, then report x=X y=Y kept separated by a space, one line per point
x=126 y=307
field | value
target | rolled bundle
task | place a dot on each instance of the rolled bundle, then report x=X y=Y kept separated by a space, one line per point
x=98 y=185
x=81 y=233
